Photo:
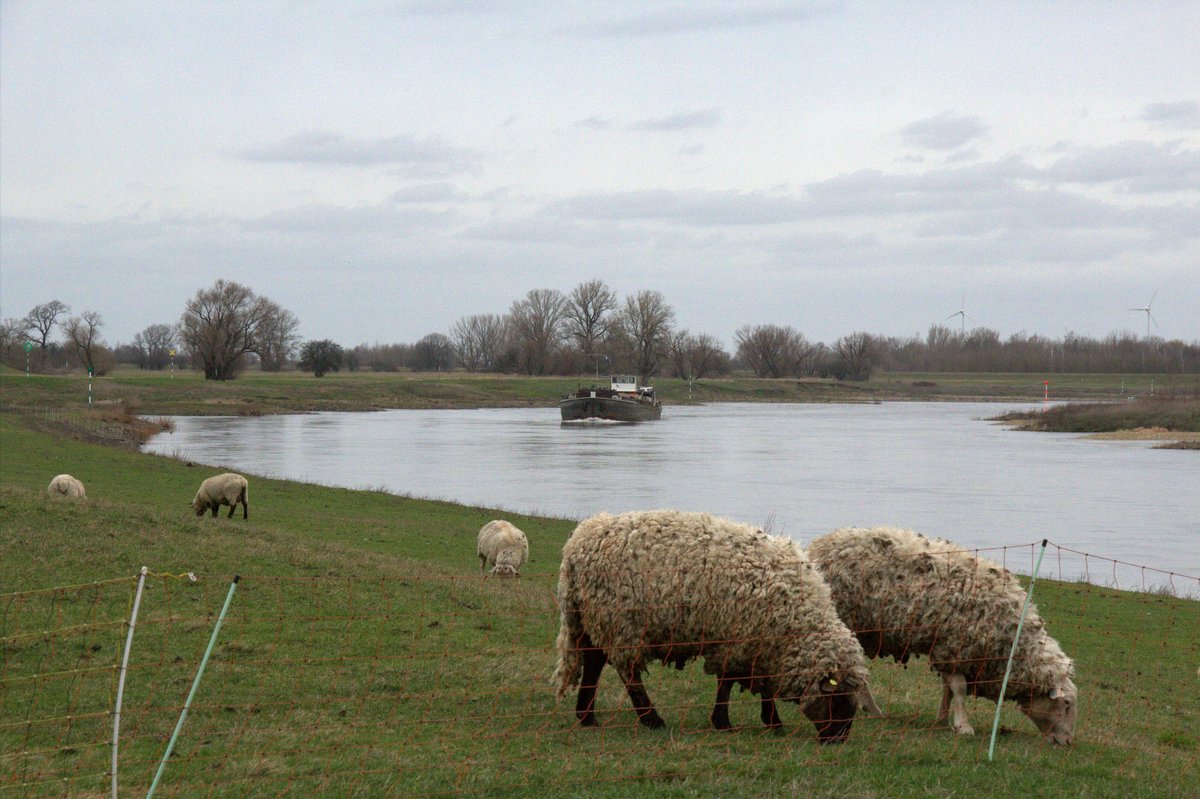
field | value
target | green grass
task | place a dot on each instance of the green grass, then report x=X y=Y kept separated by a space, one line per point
x=363 y=656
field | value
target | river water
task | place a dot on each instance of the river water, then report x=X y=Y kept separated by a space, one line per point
x=797 y=470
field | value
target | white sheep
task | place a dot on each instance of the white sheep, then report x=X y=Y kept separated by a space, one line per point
x=503 y=546
x=904 y=594
x=67 y=486
x=671 y=586
x=223 y=489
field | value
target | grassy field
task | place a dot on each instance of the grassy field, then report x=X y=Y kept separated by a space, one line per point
x=363 y=656
x=187 y=393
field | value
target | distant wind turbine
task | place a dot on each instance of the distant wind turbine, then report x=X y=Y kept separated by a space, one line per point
x=961 y=313
x=1149 y=316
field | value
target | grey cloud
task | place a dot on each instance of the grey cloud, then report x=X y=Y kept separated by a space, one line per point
x=411 y=156
x=594 y=123
x=426 y=193
x=1182 y=114
x=697 y=17
x=942 y=132
x=707 y=208
x=689 y=120
x=1140 y=166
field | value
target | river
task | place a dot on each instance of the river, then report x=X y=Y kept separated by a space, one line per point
x=796 y=469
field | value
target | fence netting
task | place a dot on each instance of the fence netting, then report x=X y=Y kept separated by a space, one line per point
x=431 y=686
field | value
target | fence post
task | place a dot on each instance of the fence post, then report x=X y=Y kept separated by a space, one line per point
x=137 y=601
x=195 y=685
x=1012 y=653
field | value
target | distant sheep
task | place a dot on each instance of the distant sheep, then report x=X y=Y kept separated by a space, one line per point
x=67 y=486
x=671 y=586
x=223 y=489
x=502 y=546
x=904 y=594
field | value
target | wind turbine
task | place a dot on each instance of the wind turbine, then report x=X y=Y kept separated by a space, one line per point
x=1149 y=316
x=962 y=314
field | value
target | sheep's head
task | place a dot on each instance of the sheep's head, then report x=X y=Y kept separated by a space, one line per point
x=832 y=710
x=505 y=570
x=1054 y=713
x=199 y=506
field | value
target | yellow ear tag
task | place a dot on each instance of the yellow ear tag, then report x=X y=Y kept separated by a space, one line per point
x=832 y=682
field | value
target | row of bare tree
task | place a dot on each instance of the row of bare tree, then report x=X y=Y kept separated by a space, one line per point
x=226 y=327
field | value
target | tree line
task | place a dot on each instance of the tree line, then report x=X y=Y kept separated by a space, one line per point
x=228 y=327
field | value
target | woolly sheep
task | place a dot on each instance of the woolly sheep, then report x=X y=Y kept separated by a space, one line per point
x=672 y=586
x=503 y=546
x=904 y=594
x=67 y=486
x=223 y=489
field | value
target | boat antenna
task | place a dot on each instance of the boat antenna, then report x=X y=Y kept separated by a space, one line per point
x=597 y=356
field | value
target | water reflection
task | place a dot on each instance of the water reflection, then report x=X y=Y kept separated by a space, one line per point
x=800 y=469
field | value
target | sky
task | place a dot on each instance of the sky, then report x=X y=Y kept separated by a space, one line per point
x=384 y=169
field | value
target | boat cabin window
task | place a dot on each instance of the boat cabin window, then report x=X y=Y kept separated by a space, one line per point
x=624 y=383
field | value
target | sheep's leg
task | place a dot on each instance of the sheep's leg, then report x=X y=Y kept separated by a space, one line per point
x=232 y=508
x=868 y=703
x=482 y=564
x=642 y=703
x=215 y=508
x=770 y=714
x=954 y=694
x=593 y=663
x=720 y=714
x=245 y=505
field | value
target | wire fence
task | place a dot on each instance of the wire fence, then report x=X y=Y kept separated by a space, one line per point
x=433 y=686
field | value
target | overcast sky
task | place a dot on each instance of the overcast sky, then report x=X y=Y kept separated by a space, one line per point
x=384 y=168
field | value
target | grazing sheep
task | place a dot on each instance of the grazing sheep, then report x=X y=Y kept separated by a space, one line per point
x=223 y=489
x=904 y=594
x=503 y=546
x=67 y=486
x=673 y=586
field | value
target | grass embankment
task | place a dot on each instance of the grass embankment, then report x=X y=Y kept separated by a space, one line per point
x=1177 y=420
x=255 y=393
x=363 y=656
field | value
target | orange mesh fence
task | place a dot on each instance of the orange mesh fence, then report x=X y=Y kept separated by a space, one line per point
x=435 y=686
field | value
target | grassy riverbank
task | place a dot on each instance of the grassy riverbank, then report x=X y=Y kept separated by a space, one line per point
x=1176 y=420
x=363 y=656
x=187 y=393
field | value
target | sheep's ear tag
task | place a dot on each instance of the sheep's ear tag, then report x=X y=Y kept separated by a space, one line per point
x=828 y=685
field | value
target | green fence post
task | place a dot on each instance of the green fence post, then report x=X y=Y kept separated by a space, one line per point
x=1012 y=653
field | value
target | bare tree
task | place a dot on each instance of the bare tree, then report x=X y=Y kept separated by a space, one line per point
x=83 y=334
x=857 y=352
x=12 y=333
x=433 y=353
x=645 y=323
x=586 y=314
x=42 y=319
x=694 y=357
x=322 y=357
x=773 y=350
x=154 y=345
x=221 y=325
x=277 y=338
x=537 y=323
x=479 y=341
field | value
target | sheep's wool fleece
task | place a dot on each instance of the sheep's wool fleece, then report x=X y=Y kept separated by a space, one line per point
x=227 y=487
x=906 y=594
x=66 y=485
x=503 y=544
x=672 y=586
